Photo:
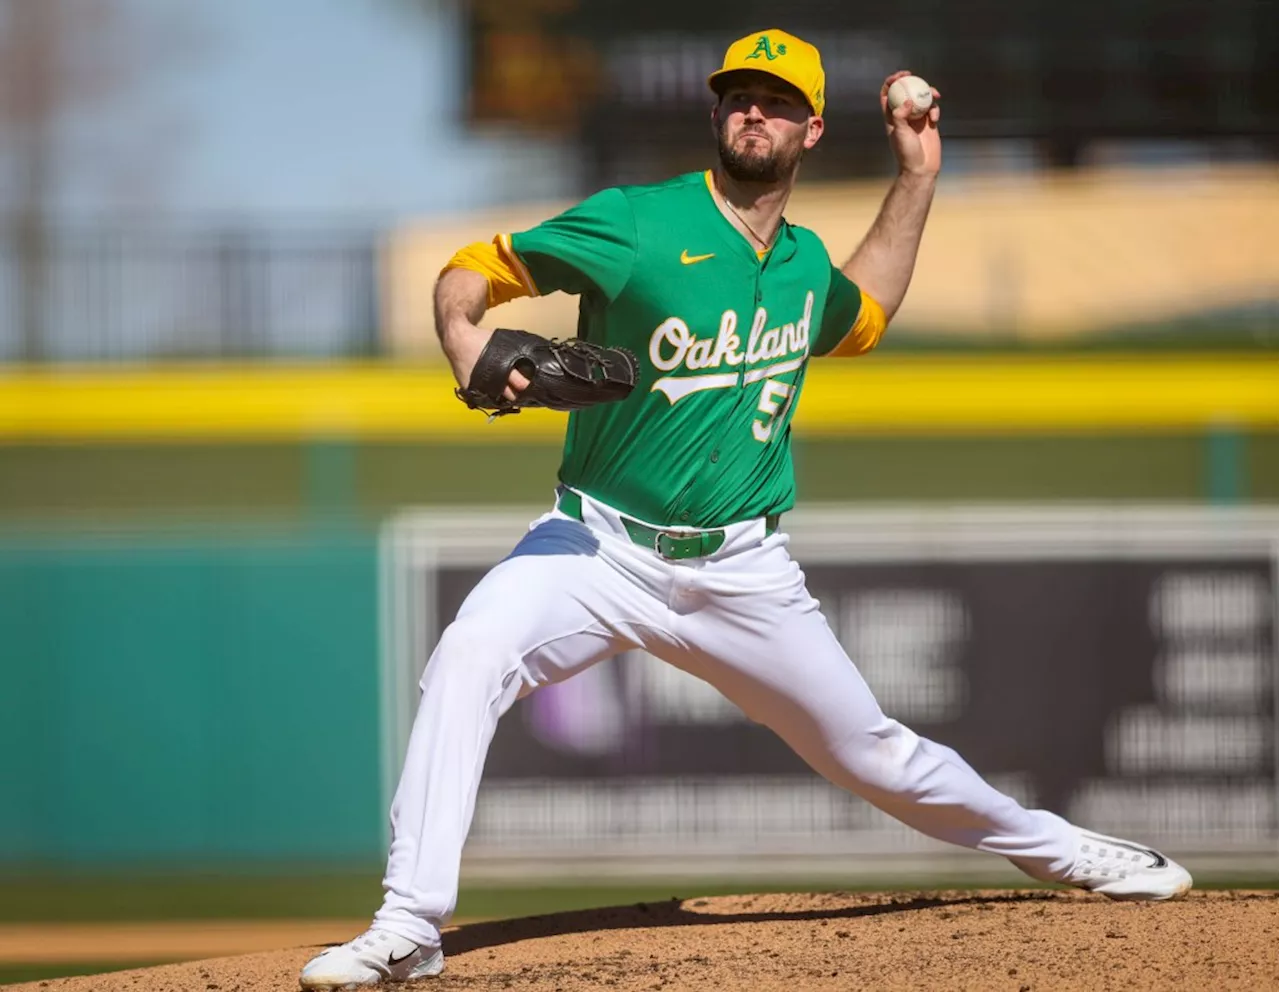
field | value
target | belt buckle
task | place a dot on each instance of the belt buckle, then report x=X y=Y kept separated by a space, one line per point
x=657 y=542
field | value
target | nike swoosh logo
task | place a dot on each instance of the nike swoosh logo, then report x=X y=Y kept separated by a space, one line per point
x=687 y=259
x=392 y=960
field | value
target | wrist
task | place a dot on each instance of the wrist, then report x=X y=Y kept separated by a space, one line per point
x=917 y=180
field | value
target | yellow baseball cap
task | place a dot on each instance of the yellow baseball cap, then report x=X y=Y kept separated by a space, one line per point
x=782 y=55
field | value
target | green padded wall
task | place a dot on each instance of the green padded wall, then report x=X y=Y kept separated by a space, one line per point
x=190 y=699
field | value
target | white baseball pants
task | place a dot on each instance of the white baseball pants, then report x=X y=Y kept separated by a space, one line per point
x=574 y=593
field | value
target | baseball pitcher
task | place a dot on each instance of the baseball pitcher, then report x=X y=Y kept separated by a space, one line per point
x=701 y=307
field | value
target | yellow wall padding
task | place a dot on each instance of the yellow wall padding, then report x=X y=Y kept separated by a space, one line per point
x=874 y=395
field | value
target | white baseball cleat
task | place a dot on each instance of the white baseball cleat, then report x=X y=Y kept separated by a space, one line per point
x=376 y=956
x=1121 y=869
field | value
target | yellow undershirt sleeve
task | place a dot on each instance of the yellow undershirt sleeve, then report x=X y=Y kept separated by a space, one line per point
x=866 y=331
x=501 y=267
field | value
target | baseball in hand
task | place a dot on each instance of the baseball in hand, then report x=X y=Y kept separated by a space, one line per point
x=913 y=89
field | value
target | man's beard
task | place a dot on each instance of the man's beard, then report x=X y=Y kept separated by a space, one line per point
x=773 y=166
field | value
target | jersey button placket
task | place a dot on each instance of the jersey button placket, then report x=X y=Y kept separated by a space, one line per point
x=761 y=263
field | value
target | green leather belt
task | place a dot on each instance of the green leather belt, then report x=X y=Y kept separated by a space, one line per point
x=675 y=545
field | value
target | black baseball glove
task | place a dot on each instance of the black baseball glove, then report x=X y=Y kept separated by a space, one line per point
x=563 y=375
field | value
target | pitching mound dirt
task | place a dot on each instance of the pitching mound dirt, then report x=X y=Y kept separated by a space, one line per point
x=1016 y=941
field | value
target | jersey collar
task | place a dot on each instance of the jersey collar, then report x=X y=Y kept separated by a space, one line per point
x=784 y=243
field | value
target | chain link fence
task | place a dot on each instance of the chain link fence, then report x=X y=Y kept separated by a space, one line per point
x=109 y=293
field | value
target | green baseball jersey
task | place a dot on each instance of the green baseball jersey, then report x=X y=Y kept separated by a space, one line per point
x=722 y=337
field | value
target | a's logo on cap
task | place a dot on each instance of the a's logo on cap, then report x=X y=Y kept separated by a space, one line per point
x=766 y=48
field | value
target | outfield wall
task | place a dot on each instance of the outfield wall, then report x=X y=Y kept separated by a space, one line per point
x=945 y=394
x=240 y=695
x=189 y=598
x=189 y=698
x=243 y=443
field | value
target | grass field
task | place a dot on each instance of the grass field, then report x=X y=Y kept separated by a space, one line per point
x=105 y=897
x=12 y=974
x=153 y=483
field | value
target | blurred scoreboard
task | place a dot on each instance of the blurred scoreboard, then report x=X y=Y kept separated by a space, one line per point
x=1115 y=665
x=630 y=79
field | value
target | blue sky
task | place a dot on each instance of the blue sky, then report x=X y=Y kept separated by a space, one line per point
x=324 y=108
